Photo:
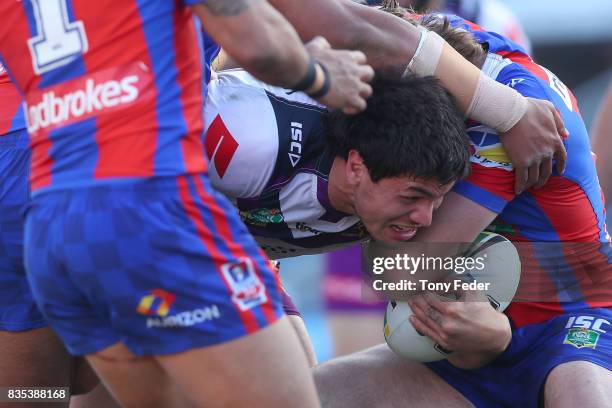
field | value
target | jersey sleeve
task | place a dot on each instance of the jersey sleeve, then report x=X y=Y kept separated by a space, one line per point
x=491 y=188
x=241 y=135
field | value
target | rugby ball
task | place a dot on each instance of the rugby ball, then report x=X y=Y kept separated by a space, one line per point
x=502 y=269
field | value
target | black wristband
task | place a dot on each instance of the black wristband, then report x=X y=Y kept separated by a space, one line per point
x=326 y=83
x=309 y=78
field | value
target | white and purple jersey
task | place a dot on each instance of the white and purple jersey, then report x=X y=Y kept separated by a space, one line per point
x=266 y=147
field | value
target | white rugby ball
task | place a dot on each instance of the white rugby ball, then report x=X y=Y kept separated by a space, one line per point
x=503 y=271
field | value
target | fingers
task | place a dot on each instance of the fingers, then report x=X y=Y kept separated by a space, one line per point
x=561 y=130
x=365 y=90
x=355 y=105
x=318 y=42
x=427 y=322
x=561 y=158
x=533 y=175
x=426 y=330
x=349 y=77
x=545 y=172
x=367 y=73
x=520 y=179
x=560 y=154
x=357 y=56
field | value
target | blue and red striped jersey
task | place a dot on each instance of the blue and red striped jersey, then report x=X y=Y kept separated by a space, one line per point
x=113 y=88
x=11 y=108
x=560 y=228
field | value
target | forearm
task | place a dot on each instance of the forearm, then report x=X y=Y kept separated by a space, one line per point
x=274 y=53
x=388 y=41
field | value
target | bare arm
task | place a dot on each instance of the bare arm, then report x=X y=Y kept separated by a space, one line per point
x=260 y=39
x=473 y=329
x=390 y=43
x=602 y=144
x=257 y=37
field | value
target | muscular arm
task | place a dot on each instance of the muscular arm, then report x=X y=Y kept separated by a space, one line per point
x=346 y=24
x=257 y=37
x=388 y=41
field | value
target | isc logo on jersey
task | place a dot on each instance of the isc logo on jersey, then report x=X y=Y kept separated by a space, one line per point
x=83 y=98
x=295 y=149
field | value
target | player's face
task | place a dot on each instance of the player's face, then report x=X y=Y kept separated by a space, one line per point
x=393 y=209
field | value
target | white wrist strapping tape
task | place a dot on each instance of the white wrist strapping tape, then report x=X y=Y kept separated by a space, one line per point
x=495 y=105
x=427 y=55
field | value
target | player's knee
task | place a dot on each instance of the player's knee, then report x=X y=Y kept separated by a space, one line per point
x=338 y=380
x=578 y=383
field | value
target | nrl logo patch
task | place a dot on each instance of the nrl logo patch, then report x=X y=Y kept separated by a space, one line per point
x=581 y=338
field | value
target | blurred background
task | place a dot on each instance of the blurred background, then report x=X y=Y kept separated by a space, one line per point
x=573 y=39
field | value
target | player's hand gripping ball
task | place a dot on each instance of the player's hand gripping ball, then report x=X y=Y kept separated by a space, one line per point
x=503 y=271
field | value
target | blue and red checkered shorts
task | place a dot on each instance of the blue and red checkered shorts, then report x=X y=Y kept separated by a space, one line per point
x=163 y=265
x=18 y=311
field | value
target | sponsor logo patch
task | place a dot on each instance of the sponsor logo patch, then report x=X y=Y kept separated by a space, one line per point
x=82 y=98
x=247 y=288
x=158 y=303
x=262 y=216
x=581 y=338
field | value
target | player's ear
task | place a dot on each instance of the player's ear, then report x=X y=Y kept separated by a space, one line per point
x=355 y=168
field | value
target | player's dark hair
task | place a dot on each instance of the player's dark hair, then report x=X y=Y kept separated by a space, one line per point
x=410 y=126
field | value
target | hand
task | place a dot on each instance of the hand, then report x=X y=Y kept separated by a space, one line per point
x=533 y=142
x=349 y=75
x=469 y=326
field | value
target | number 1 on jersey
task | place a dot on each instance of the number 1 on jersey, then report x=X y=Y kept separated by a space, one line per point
x=59 y=41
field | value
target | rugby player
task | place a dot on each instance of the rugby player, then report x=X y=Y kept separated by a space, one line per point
x=346 y=24
x=307 y=181
x=347 y=309
x=109 y=146
x=30 y=352
x=552 y=347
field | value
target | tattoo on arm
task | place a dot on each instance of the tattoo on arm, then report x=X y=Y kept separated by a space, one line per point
x=227 y=7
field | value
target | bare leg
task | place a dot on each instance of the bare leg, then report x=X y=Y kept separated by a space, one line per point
x=300 y=330
x=135 y=381
x=33 y=358
x=578 y=384
x=345 y=325
x=268 y=368
x=378 y=378
x=99 y=397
